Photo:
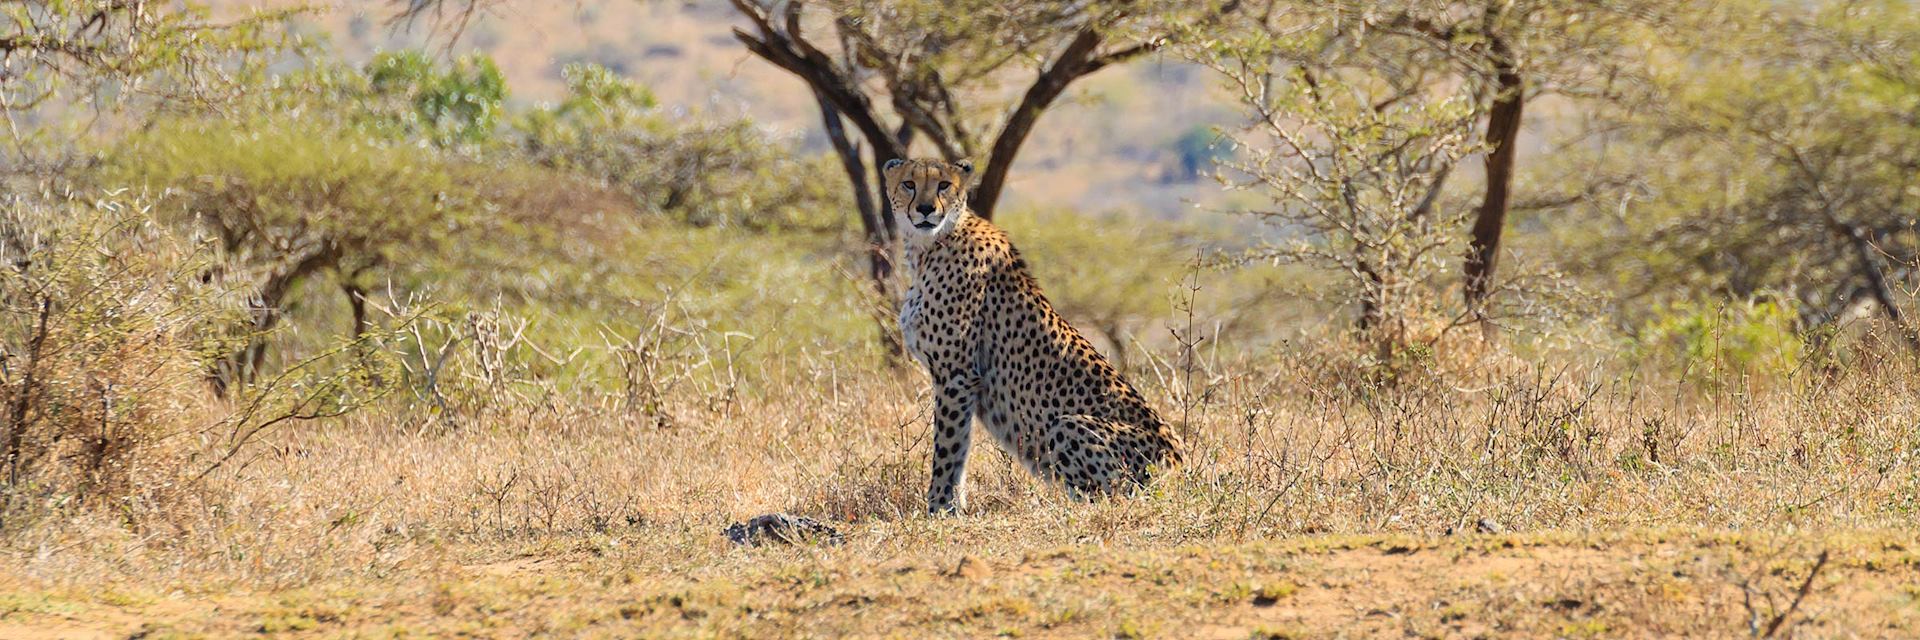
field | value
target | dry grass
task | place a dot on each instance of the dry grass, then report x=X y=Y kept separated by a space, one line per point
x=527 y=492
x=1590 y=469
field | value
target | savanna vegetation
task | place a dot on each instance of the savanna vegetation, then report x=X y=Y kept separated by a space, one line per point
x=1526 y=318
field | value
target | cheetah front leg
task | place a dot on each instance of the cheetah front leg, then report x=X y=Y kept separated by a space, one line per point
x=952 y=438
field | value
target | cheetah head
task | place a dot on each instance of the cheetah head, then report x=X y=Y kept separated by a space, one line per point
x=928 y=196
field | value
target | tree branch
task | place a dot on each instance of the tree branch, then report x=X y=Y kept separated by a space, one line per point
x=1081 y=57
x=1070 y=65
x=802 y=59
x=1503 y=135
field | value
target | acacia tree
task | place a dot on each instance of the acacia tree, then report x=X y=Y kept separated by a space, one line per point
x=1788 y=163
x=1507 y=53
x=286 y=201
x=1354 y=165
x=102 y=54
x=902 y=70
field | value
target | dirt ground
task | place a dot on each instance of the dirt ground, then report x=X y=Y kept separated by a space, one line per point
x=1533 y=585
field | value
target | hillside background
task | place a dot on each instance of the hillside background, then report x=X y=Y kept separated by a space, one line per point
x=1112 y=146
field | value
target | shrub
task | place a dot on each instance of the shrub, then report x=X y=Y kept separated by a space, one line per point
x=398 y=96
x=1717 y=340
x=108 y=324
x=102 y=320
x=287 y=201
x=701 y=171
x=1357 y=192
x=456 y=104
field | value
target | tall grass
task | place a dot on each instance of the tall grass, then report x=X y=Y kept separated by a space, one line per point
x=683 y=427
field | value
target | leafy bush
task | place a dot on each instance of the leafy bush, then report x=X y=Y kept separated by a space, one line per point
x=403 y=95
x=1756 y=338
x=102 y=319
x=703 y=172
x=288 y=200
x=456 y=104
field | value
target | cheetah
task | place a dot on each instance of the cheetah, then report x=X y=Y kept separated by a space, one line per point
x=997 y=352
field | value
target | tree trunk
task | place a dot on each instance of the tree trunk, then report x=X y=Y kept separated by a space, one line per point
x=1872 y=271
x=1503 y=133
x=21 y=404
x=877 y=232
x=357 y=302
x=241 y=366
x=880 y=264
x=362 y=324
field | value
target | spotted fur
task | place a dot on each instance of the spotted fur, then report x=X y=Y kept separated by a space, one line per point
x=997 y=351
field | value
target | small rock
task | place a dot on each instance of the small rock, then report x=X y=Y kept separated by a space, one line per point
x=1483 y=525
x=780 y=528
x=971 y=569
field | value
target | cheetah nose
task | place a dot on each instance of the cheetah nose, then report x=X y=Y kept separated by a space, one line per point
x=926 y=209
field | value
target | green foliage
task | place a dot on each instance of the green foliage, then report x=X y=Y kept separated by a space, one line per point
x=286 y=200
x=341 y=181
x=596 y=97
x=455 y=104
x=404 y=95
x=782 y=293
x=75 y=56
x=1075 y=258
x=624 y=310
x=700 y=171
x=274 y=189
x=1782 y=160
x=1717 y=341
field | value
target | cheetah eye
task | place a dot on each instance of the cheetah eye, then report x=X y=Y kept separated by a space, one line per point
x=944 y=185
x=908 y=184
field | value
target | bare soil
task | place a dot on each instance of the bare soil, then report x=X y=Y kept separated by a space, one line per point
x=1650 y=583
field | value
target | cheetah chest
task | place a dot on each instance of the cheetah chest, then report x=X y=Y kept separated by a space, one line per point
x=911 y=312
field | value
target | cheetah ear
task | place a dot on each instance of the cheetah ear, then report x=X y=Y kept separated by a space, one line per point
x=965 y=166
x=894 y=164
